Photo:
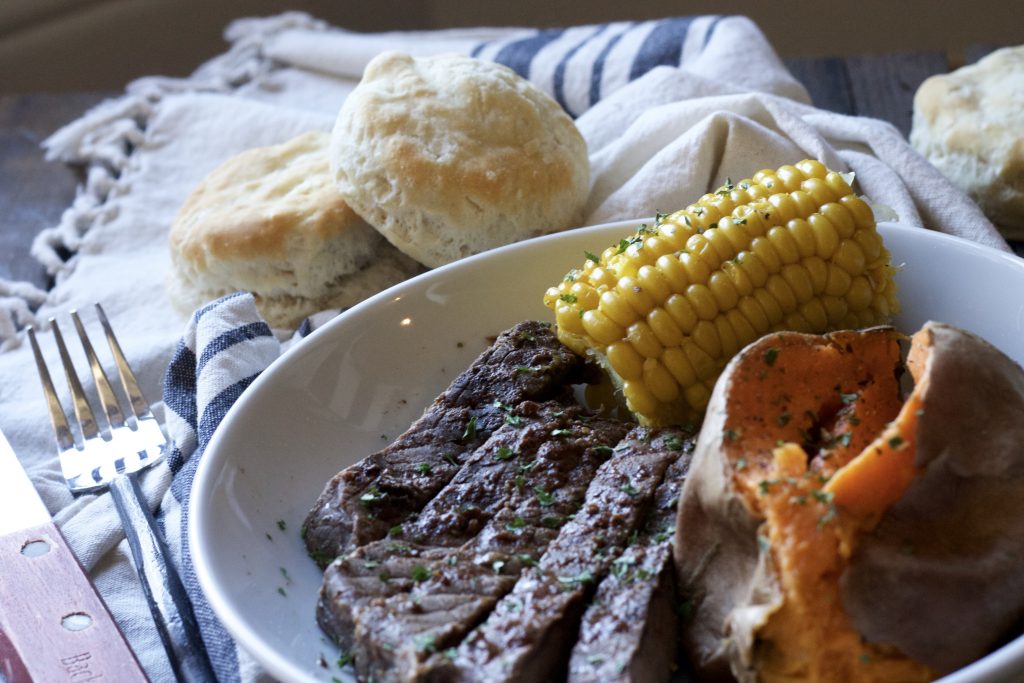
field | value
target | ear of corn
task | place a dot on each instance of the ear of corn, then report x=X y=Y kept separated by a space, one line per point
x=667 y=307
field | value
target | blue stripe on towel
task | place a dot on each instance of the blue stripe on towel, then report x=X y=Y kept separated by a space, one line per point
x=559 y=84
x=663 y=47
x=519 y=54
x=230 y=338
x=598 y=70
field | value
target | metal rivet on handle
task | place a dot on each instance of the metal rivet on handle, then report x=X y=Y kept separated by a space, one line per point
x=76 y=621
x=35 y=548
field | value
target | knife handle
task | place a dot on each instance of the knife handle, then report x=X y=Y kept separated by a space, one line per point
x=55 y=626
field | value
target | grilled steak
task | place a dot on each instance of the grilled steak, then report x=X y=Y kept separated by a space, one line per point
x=395 y=602
x=529 y=635
x=364 y=501
x=630 y=631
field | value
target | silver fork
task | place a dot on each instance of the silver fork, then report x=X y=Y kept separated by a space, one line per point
x=113 y=461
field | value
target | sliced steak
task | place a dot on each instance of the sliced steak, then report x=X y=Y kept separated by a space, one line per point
x=529 y=635
x=630 y=631
x=364 y=501
x=395 y=602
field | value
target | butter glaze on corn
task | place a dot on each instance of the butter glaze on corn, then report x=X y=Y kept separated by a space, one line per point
x=666 y=308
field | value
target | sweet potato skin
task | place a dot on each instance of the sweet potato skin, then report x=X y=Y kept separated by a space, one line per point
x=941 y=576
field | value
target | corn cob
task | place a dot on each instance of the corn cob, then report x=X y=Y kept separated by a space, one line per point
x=666 y=308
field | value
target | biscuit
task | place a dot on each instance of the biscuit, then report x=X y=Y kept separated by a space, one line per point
x=449 y=156
x=270 y=221
x=970 y=125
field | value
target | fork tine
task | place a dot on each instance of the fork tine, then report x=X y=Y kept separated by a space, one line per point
x=131 y=385
x=106 y=392
x=61 y=428
x=86 y=420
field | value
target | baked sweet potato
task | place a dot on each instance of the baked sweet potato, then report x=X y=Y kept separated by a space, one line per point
x=831 y=530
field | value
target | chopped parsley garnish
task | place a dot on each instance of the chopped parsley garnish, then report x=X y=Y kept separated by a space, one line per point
x=673 y=443
x=783 y=419
x=895 y=442
x=423 y=468
x=425 y=642
x=470 y=432
x=372 y=495
x=543 y=497
x=516 y=524
x=628 y=489
x=847 y=399
x=281 y=525
x=420 y=573
x=504 y=453
x=568 y=298
x=344 y=659
x=569 y=582
x=770 y=355
x=591 y=257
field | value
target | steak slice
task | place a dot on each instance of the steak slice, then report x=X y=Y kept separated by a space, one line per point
x=630 y=632
x=395 y=602
x=364 y=501
x=529 y=635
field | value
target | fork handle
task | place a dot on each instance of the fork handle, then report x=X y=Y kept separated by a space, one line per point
x=165 y=593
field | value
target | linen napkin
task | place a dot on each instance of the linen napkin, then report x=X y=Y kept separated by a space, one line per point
x=669 y=109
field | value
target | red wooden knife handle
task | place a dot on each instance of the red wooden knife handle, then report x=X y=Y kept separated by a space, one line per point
x=54 y=625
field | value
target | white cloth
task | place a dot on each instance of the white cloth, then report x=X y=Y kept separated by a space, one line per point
x=669 y=110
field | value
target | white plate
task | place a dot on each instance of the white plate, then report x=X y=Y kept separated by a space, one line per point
x=361 y=379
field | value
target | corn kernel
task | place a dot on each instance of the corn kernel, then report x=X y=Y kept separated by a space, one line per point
x=600 y=328
x=785 y=246
x=817 y=270
x=805 y=204
x=754 y=314
x=765 y=251
x=634 y=295
x=659 y=382
x=723 y=290
x=799 y=281
x=754 y=267
x=625 y=360
x=616 y=308
x=770 y=305
x=840 y=218
x=850 y=257
x=675 y=360
x=782 y=292
x=682 y=312
x=703 y=301
x=861 y=212
x=819 y=189
x=653 y=283
x=702 y=363
x=826 y=238
x=727 y=335
x=705 y=335
x=644 y=340
x=739 y=277
x=664 y=328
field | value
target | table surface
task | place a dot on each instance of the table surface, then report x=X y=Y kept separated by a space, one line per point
x=35 y=192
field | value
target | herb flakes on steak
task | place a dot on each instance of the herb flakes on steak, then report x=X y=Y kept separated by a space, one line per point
x=366 y=500
x=530 y=633
x=630 y=632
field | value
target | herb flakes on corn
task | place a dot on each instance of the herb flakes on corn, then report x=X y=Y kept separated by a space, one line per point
x=666 y=308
